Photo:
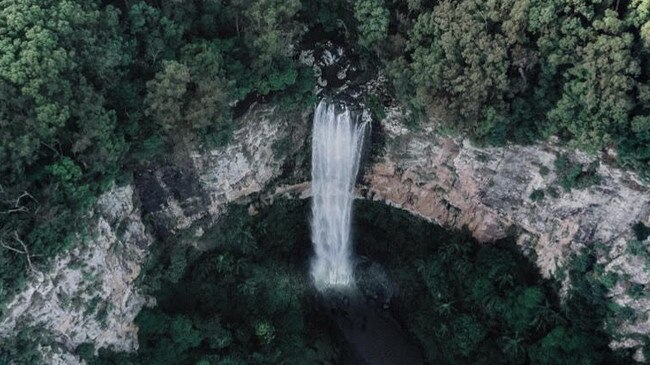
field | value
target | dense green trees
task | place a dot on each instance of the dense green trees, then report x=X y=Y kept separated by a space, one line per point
x=192 y=95
x=56 y=55
x=597 y=64
x=469 y=59
x=484 y=304
x=373 y=22
x=503 y=70
x=21 y=348
x=247 y=299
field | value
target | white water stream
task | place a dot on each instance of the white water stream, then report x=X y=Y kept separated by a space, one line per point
x=337 y=144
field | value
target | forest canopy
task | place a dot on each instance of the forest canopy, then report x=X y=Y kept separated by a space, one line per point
x=523 y=70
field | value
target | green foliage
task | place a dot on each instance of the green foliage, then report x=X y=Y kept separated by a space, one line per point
x=22 y=348
x=564 y=346
x=158 y=37
x=591 y=111
x=468 y=334
x=372 y=17
x=537 y=195
x=484 y=304
x=572 y=175
x=376 y=107
x=265 y=332
x=522 y=70
x=543 y=170
x=636 y=248
x=553 y=192
x=85 y=350
x=641 y=231
x=183 y=333
x=470 y=61
x=637 y=291
x=609 y=280
x=46 y=47
x=193 y=95
x=300 y=95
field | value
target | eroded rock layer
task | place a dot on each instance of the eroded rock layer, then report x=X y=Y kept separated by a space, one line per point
x=495 y=191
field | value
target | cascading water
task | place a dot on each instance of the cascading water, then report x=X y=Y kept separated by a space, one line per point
x=337 y=144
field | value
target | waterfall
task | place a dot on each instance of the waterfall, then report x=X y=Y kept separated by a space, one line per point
x=337 y=143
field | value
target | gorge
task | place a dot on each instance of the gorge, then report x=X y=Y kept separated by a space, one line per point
x=324 y=182
x=186 y=202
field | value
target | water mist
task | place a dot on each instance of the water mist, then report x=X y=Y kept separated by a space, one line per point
x=337 y=144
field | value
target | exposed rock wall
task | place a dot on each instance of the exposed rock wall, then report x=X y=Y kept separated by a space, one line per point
x=265 y=148
x=90 y=293
x=488 y=190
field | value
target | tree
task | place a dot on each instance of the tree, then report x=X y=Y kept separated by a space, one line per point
x=372 y=17
x=166 y=97
x=468 y=56
x=564 y=346
x=157 y=37
x=593 y=107
x=266 y=28
x=186 y=98
x=184 y=334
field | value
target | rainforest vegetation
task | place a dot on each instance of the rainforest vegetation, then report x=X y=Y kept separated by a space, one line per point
x=92 y=90
x=462 y=303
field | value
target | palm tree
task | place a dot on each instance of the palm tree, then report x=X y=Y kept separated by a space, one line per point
x=513 y=345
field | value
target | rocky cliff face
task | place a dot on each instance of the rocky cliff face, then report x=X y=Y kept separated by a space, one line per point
x=90 y=293
x=488 y=190
x=198 y=185
x=492 y=190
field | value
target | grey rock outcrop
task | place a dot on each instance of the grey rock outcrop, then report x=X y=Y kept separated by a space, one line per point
x=89 y=294
x=490 y=190
x=265 y=148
